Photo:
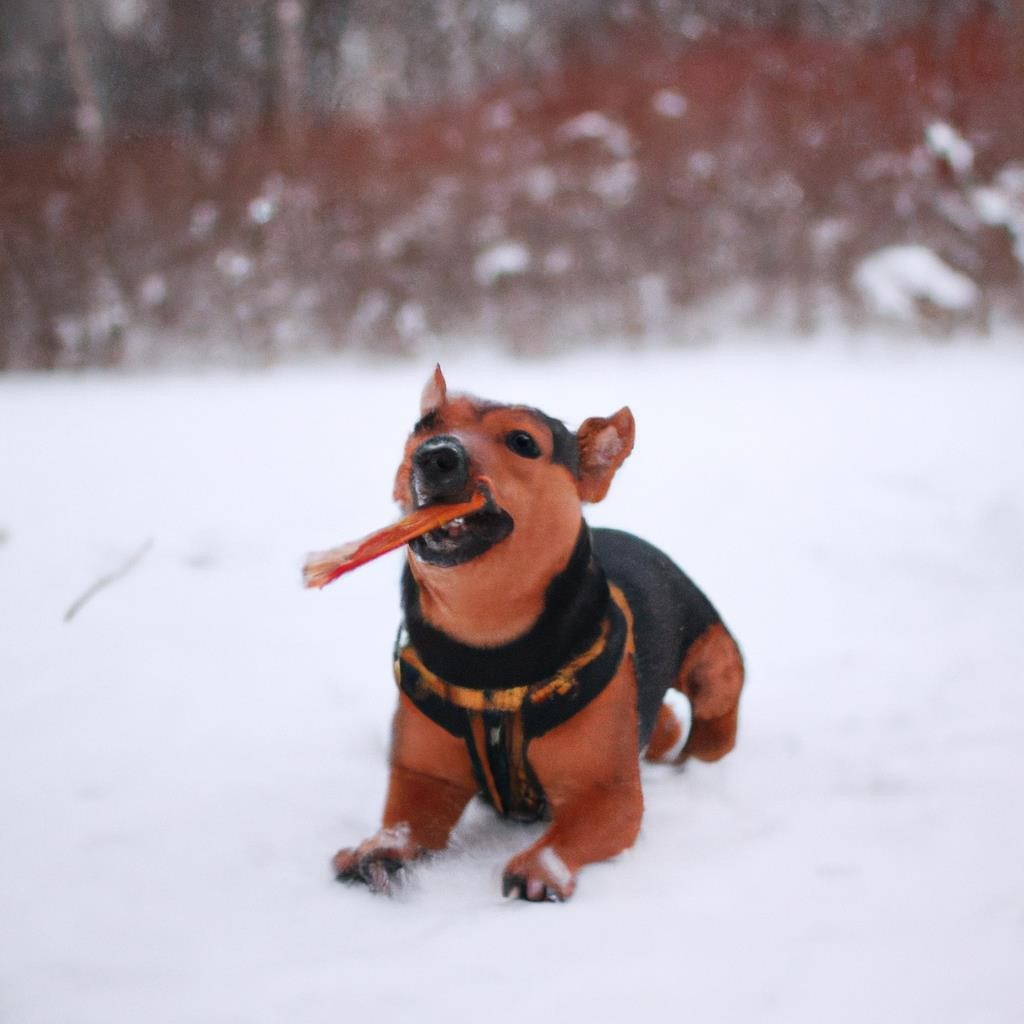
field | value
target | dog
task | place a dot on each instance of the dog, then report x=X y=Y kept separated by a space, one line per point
x=539 y=659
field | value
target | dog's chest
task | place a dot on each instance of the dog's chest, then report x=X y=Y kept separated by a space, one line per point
x=498 y=724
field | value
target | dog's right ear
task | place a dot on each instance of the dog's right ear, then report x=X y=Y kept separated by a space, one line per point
x=604 y=445
x=435 y=392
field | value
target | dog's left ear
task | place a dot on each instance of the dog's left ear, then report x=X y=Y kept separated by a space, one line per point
x=435 y=392
x=604 y=445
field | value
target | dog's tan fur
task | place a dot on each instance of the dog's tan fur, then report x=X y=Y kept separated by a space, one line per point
x=588 y=767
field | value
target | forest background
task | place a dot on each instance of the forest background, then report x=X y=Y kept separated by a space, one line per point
x=241 y=182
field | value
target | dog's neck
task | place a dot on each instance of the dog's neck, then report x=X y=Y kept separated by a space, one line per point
x=574 y=606
x=498 y=596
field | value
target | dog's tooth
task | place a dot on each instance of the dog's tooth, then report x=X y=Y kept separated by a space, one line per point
x=455 y=528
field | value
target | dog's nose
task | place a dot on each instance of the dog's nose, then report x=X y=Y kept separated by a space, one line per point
x=440 y=468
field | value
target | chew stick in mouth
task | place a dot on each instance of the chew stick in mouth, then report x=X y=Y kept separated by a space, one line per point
x=323 y=567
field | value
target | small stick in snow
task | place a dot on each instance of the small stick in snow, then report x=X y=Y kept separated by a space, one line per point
x=111 y=577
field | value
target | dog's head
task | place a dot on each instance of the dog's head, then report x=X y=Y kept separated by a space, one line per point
x=534 y=471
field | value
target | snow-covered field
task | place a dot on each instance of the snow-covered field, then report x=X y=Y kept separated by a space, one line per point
x=179 y=761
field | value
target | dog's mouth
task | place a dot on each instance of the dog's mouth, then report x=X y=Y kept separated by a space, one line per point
x=465 y=538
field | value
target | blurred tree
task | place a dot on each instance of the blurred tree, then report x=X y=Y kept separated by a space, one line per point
x=290 y=16
x=89 y=119
x=267 y=170
x=323 y=30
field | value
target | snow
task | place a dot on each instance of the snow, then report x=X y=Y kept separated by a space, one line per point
x=946 y=142
x=669 y=103
x=262 y=210
x=123 y=17
x=555 y=867
x=234 y=264
x=893 y=280
x=512 y=18
x=680 y=707
x=540 y=183
x=593 y=125
x=205 y=216
x=504 y=259
x=153 y=290
x=179 y=762
x=617 y=183
x=1001 y=204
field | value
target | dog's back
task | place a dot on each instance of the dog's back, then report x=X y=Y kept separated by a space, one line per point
x=670 y=613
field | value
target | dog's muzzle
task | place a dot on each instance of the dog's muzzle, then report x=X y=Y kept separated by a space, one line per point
x=441 y=475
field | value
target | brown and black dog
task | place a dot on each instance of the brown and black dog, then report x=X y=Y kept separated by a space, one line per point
x=538 y=658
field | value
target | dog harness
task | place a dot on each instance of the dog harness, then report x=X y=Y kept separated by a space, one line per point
x=497 y=724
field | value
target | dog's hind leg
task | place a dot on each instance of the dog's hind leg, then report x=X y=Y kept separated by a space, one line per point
x=711 y=676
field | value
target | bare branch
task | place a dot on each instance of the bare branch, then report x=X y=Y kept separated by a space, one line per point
x=112 y=577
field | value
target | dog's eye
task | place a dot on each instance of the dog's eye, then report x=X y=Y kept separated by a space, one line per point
x=520 y=442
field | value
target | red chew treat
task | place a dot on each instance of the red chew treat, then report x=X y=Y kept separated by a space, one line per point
x=323 y=567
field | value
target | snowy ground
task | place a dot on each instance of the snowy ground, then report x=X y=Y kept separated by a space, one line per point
x=179 y=761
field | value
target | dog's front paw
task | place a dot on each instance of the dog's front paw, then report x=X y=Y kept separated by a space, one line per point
x=379 y=861
x=538 y=875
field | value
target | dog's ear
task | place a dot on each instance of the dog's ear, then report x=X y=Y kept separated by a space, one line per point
x=435 y=392
x=604 y=445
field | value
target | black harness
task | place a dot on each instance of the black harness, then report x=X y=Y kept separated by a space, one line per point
x=497 y=717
